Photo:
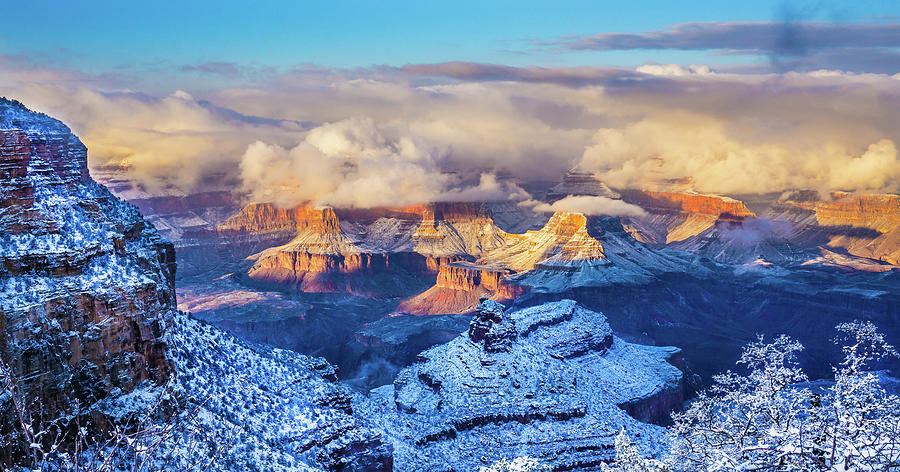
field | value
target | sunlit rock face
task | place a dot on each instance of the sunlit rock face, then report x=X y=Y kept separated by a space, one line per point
x=865 y=225
x=378 y=252
x=457 y=230
x=324 y=257
x=86 y=284
x=550 y=382
x=563 y=239
x=266 y=217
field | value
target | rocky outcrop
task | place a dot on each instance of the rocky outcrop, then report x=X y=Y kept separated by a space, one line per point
x=86 y=285
x=288 y=410
x=550 y=382
x=323 y=257
x=571 y=250
x=459 y=287
x=676 y=216
x=457 y=230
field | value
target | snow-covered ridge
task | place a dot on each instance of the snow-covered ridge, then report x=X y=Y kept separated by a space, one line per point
x=550 y=382
x=14 y=115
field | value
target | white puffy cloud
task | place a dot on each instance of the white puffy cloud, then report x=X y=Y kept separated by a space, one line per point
x=349 y=163
x=590 y=205
x=648 y=152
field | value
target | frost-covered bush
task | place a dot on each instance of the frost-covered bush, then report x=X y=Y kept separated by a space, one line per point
x=628 y=459
x=519 y=464
x=768 y=419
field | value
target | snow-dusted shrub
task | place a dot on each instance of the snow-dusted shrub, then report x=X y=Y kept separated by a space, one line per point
x=148 y=441
x=768 y=420
x=519 y=464
x=628 y=459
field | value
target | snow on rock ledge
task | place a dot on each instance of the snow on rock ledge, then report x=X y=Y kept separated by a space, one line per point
x=550 y=381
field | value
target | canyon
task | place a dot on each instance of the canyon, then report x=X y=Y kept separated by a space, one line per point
x=441 y=336
x=374 y=268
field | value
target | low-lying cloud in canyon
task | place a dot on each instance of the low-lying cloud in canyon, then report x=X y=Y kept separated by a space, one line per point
x=387 y=136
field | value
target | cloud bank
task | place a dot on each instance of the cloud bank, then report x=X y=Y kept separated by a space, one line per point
x=389 y=136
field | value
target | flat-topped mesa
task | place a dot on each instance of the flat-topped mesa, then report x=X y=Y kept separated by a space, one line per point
x=719 y=207
x=550 y=382
x=86 y=284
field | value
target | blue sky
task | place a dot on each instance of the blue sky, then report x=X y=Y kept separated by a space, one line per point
x=103 y=36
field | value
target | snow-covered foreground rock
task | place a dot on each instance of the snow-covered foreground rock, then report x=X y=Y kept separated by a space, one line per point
x=550 y=382
x=86 y=285
x=276 y=410
x=89 y=330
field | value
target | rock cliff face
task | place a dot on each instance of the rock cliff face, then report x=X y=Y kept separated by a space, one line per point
x=266 y=217
x=550 y=382
x=86 y=285
x=457 y=230
x=562 y=240
x=323 y=257
x=87 y=314
x=693 y=203
x=676 y=216
x=863 y=225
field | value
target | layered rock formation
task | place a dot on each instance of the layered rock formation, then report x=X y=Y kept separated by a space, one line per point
x=86 y=285
x=864 y=225
x=266 y=217
x=550 y=382
x=577 y=182
x=347 y=250
x=457 y=230
x=563 y=239
x=323 y=257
